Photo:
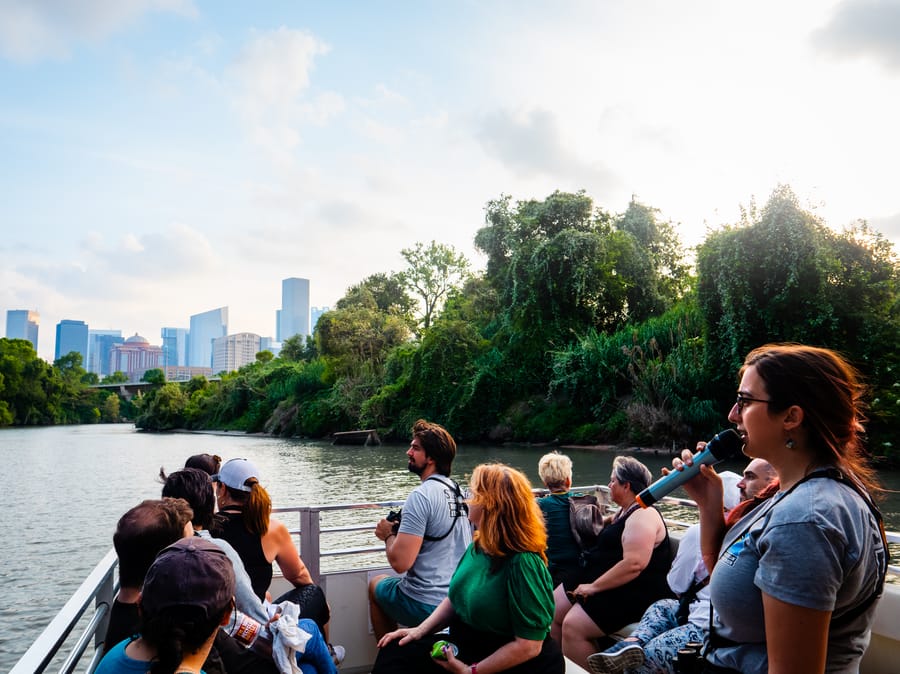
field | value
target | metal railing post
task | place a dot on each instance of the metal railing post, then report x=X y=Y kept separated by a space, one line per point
x=309 y=542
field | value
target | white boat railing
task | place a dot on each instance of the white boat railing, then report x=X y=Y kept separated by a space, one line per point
x=93 y=600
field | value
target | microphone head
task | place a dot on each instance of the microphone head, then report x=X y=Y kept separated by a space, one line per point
x=725 y=444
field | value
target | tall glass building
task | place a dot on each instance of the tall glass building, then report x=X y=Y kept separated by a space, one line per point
x=23 y=324
x=100 y=346
x=175 y=347
x=205 y=328
x=72 y=336
x=293 y=319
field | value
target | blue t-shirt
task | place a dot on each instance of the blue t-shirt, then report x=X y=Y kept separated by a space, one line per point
x=818 y=547
x=117 y=662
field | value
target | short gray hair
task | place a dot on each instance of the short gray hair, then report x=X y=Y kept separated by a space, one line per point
x=628 y=470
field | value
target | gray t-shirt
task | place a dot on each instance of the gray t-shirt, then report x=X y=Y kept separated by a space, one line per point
x=245 y=598
x=431 y=509
x=817 y=547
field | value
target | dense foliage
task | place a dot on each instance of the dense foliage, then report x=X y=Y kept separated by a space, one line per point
x=34 y=393
x=585 y=326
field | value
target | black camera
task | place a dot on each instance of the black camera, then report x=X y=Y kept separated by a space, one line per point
x=394 y=517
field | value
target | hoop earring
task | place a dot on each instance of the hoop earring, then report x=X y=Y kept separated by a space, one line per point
x=789 y=443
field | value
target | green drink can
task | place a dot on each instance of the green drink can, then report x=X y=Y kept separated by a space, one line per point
x=438 y=650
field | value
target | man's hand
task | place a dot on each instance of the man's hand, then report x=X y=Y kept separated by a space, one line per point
x=384 y=529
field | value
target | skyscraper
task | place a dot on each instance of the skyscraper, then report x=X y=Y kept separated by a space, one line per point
x=293 y=319
x=71 y=336
x=100 y=345
x=232 y=352
x=175 y=347
x=205 y=328
x=23 y=324
x=315 y=313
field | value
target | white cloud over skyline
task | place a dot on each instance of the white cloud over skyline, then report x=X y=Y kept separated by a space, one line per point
x=165 y=157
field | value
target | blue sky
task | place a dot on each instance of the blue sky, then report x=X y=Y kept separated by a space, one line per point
x=166 y=157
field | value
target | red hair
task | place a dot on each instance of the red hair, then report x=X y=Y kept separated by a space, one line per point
x=511 y=520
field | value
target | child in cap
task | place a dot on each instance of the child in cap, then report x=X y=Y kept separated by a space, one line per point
x=187 y=594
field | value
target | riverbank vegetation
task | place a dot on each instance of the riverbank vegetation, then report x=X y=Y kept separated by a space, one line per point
x=585 y=326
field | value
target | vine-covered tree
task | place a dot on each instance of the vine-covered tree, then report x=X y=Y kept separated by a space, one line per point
x=383 y=292
x=787 y=277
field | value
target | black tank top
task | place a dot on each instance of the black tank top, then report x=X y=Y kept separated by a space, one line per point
x=249 y=548
x=609 y=552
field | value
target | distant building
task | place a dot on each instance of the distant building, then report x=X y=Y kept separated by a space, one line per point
x=186 y=373
x=205 y=328
x=293 y=318
x=175 y=347
x=315 y=313
x=232 y=352
x=134 y=357
x=100 y=344
x=23 y=324
x=269 y=344
x=72 y=336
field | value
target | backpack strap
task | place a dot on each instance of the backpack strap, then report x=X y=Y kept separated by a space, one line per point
x=461 y=506
x=859 y=609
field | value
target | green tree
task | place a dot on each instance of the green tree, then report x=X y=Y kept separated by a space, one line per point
x=30 y=385
x=432 y=271
x=162 y=409
x=154 y=376
x=659 y=272
x=382 y=292
x=117 y=377
x=358 y=339
x=785 y=276
x=297 y=348
x=264 y=356
x=109 y=412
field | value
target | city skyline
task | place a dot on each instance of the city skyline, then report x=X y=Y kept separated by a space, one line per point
x=162 y=158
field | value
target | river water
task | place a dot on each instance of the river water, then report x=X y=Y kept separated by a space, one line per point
x=66 y=486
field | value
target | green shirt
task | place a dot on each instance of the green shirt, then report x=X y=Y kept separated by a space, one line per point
x=516 y=600
x=563 y=552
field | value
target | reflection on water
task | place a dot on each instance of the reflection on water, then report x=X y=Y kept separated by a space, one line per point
x=67 y=486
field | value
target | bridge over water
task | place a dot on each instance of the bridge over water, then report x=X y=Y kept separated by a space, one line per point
x=130 y=389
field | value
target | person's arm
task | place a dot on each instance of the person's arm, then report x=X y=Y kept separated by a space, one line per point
x=278 y=539
x=686 y=568
x=439 y=619
x=796 y=637
x=638 y=539
x=401 y=549
x=507 y=656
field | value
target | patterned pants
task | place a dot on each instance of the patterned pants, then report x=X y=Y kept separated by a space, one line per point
x=662 y=636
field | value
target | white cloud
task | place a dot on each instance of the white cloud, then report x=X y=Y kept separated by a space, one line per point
x=864 y=29
x=31 y=30
x=269 y=80
x=530 y=143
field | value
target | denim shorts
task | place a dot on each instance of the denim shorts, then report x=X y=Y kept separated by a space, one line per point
x=400 y=607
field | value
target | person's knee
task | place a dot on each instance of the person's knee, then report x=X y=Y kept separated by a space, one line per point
x=373 y=584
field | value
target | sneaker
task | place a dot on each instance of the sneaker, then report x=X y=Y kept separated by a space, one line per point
x=337 y=654
x=616 y=659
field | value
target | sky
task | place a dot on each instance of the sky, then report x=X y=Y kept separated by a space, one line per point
x=161 y=158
